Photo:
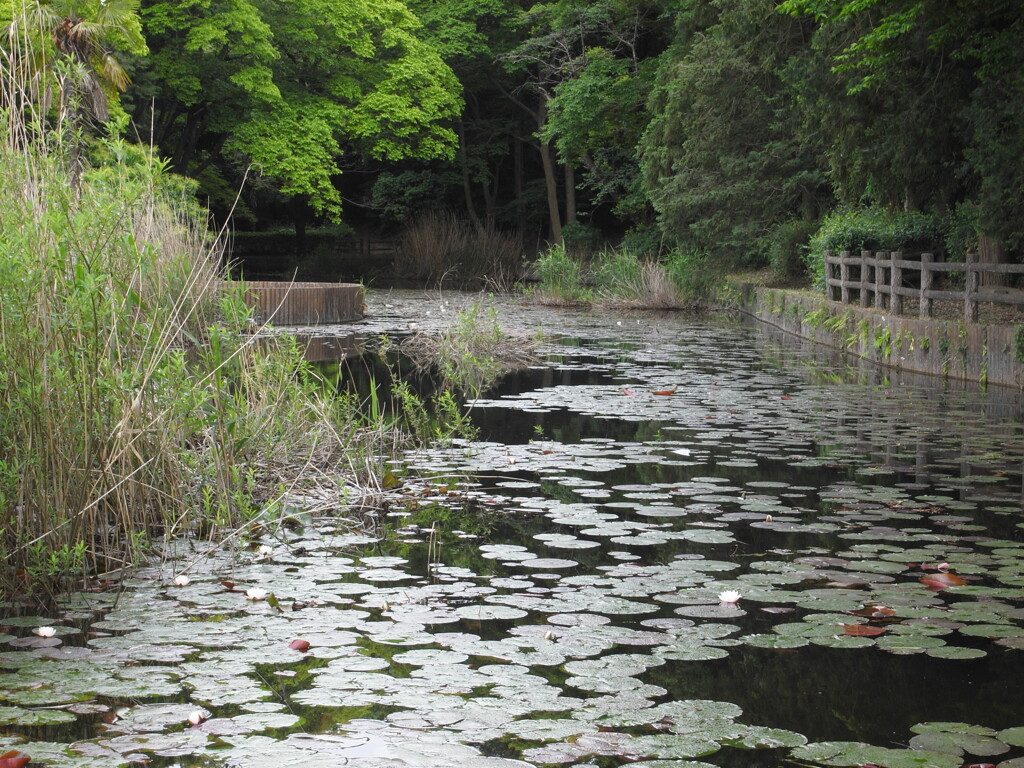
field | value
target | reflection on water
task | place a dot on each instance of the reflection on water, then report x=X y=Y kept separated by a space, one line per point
x=560 y=592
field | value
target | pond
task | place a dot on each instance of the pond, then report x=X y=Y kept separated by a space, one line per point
x=676 y=542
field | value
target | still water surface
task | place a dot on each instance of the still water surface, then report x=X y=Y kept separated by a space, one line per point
x=675 y=542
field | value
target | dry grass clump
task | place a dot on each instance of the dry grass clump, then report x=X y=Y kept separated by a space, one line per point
x=437 y=246
x=649 y=287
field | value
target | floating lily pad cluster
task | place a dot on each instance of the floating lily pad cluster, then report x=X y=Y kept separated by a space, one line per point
x=540 y=605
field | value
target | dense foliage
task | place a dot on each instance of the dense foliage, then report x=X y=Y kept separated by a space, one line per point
x=728 y=128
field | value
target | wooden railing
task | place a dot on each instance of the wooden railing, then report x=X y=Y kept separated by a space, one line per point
x=881 y=280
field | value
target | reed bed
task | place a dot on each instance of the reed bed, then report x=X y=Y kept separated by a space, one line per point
x=135 y=404
x=438 y=247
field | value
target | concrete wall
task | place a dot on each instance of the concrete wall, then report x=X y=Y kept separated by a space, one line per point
x=989 y=354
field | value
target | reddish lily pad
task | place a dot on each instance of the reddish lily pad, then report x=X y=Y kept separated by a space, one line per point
x=862 y=630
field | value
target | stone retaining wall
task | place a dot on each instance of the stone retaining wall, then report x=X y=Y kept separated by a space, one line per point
x=989 y=354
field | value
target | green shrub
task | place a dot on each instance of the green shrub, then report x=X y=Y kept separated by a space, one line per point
x=786 y=245
x=856 y=229
x=961 y=226
x=646 y=239
x=694 y=275
x=561 y=278
x=578 y=237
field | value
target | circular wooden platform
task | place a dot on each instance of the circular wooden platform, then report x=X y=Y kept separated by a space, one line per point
x=280 y=303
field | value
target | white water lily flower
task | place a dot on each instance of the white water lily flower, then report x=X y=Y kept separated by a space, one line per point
x=181 y=580
x=255 y=593
x=197 y=716
x=264 y=551
x=729 y=596
x=46 y=631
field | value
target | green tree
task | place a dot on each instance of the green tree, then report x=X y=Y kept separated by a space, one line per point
x=570 y=52
x=595 y=121
x=73 y=47
x=296 y=89
x=939 y=96
x=469 y=35
x=722 y=160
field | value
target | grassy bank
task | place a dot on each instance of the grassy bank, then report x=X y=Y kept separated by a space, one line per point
x=622 y=279
x=136 y=405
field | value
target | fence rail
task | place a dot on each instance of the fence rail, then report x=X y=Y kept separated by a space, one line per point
x=882 y=279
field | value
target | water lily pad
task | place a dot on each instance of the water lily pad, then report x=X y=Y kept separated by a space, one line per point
x=429 y=656
x=672 y=747
x=702 y=536
x=548 y=563
x=957 y=743
x=757 y=737
x=487 y=612
x=28 y=717
x=850 y=753
x=955 y=652
x=716 y=611
x=578 y=619
x=1012 y=736
x=775 y=641
x=693 y=653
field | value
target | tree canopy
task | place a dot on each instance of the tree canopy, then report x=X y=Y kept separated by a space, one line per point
x=705 y=125
x=296 y=89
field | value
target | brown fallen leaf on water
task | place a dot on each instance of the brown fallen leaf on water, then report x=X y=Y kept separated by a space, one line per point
x=862 y=630
x=666 y=392
x=941 y=580
x=874 y=612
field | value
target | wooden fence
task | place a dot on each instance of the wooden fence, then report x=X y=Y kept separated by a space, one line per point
x=883 y=279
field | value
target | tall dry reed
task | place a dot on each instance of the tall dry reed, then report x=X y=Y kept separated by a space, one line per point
x=438 y=247
x=134 y=401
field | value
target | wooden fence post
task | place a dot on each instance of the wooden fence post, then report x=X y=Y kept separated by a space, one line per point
x=844 y=277
x=830 y=274
x=927 y=274
x=896 y=283
x=865 y=260
x=971 y=289
x=881 y=267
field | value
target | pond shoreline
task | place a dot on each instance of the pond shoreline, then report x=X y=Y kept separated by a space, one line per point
x=987 y=354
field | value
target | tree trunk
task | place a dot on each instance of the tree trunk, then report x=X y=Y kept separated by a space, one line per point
x=550 y=182
x=467 y=188
x=992 y=250
x=551 y=185
x=182 y=157
x=518 y=183
x=300 y=214
x=570 y=195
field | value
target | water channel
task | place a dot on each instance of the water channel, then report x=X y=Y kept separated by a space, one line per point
x=675 y=542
